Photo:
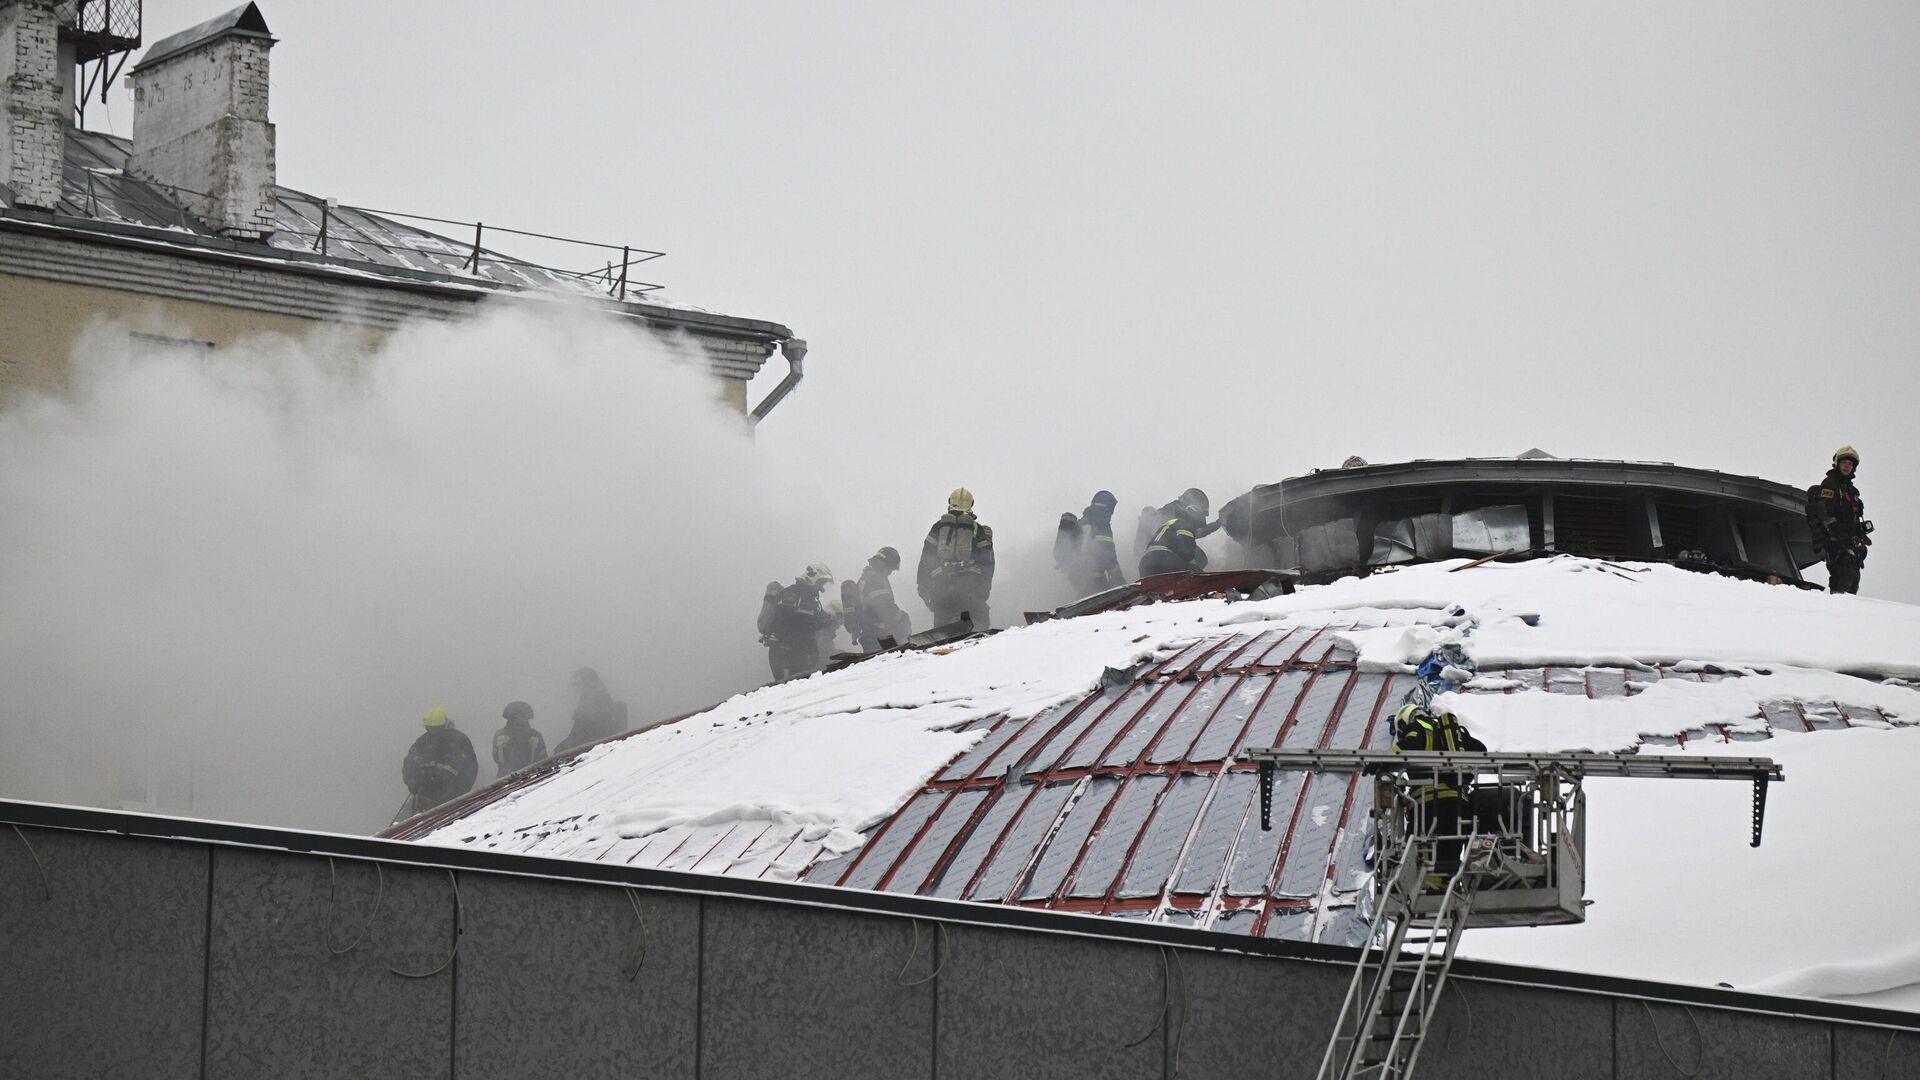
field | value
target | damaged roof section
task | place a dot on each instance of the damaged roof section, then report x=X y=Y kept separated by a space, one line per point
x=1341 y=521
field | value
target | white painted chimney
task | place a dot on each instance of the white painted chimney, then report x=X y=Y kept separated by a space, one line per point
x=32 y=123
x=200 y=122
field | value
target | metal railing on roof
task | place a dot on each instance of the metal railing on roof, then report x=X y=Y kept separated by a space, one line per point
x=335 y=230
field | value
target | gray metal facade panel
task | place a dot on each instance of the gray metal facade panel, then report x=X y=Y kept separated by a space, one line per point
x=269 y=963
x=105 y=976
x=1871 y=1054
x=883 y=850
x=1313 y=835
x=1106 y=728
x=989 y=745
x=974 y=850
x=1317 y=704
x=1350 y=730
x=1217 y=739
x=1664 y=1040
x=1050 y=753
x=1032 y=1005
x=1486 y=1029
x=1106 y=850
x=1254 y=857
x=1131 y=741
x=1272 y=714
x=1301 y=1003
x=814 y=996
x=1187 y=723
x=947 y=823
x=1234 y=804
x=1023 y=837
x=615 y=992
x=1153 y=861
x=1065 y=845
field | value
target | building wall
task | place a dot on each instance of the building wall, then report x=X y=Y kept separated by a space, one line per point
x=183 y=958
x=52 y=289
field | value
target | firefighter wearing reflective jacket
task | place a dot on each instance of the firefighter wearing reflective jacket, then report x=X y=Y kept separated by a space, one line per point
x=1084 y=548
x=1841 y=531
x=1442 y=794
x=440 y=764
x=1175 y=545
x=956 y=564
x=875 y=614
x=518 y=744
x=791 y=620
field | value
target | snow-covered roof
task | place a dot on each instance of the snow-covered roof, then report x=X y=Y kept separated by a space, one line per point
x=1088 y=764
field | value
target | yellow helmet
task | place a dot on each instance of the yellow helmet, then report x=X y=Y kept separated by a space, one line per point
x=1847 y=452
x=1409 y=713
x=818 y=573
x=961 y=501
x=436 y=717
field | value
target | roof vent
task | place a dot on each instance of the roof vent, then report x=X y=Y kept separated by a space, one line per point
x=200 y=122
x=1537 y=454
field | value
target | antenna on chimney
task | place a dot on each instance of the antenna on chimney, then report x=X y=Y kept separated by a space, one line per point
x=96 y=39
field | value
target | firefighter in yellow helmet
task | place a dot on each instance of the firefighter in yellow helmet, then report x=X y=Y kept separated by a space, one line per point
x=440 y=765
x=1837 y=516
x=956 y=565
x=1442 y=794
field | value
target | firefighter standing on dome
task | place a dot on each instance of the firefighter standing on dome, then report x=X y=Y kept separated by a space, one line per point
x=440 y=764
x=876 y=614
x=956 y=565
x=791 y=619
x=1084 y=548
x=518 y=744
x=1837 y=517
x=1175 y=543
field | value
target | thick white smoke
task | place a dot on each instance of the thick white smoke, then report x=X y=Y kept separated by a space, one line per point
x=236 y=581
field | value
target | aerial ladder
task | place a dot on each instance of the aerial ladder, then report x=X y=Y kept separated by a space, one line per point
x=1513 y=855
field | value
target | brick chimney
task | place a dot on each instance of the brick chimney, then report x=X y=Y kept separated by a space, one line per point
x=200 y=122
x=32 y=121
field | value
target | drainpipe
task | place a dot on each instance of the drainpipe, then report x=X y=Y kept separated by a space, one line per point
x=795 y=350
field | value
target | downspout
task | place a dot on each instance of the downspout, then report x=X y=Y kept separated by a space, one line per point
x=795 y=350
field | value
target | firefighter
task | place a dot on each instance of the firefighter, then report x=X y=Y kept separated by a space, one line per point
x=956 y=565
x=518 y=744
x=1085 y=551
x=595 y=715
x=791 y=621
x=1175 y=545
x=1840 y=529
x=440 y=764
x=1442 y=795
x=877 y=614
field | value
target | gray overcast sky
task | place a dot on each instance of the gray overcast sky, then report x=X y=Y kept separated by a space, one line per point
x=1054 y=247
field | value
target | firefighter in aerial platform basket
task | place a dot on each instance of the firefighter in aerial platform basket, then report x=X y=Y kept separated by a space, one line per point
x=1442 y=796
x=1837 y=517
x=956 y=565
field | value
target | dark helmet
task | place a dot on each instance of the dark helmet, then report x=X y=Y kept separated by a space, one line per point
x=889 y=557
x=586 y=676
x=517 y=710
x=1196 y=500
x=1105 y=498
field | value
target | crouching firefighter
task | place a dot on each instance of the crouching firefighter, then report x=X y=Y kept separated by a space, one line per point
x=440 y=764
x=791 y=619
x=1175 y=544
x=1441 y=795
x=956 y=564
x=874 y=615
x=1837 y=517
